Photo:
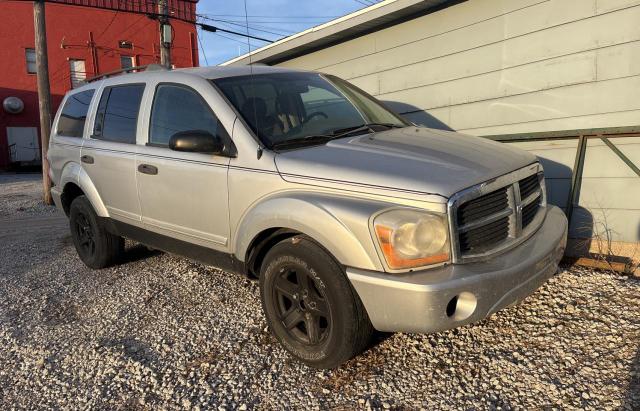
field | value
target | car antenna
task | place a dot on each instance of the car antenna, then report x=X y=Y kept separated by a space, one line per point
x=255 y=110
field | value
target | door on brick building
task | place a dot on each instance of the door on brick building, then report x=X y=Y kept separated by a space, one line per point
x=23 y=144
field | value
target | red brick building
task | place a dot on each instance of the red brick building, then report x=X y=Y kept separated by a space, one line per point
x=82 y=42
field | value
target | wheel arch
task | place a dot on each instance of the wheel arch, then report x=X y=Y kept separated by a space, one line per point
x=337 y=225
x=74 y=182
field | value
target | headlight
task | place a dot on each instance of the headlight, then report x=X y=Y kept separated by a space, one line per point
x=412 y=238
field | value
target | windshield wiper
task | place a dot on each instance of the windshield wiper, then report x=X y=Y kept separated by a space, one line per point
x=323 y=138
x=343 y=132
x=301 y=141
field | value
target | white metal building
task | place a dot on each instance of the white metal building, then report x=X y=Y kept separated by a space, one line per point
x=559 y=78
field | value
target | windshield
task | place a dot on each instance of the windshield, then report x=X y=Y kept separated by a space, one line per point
x=287 y=107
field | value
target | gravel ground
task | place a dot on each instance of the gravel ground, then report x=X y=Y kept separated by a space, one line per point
x=161 y=332
x=21 y=196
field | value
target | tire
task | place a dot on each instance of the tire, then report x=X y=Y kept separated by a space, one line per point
x=96 y=247
x=310 y=305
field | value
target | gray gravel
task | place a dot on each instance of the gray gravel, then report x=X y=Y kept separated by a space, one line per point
x=22 y=195
x=161 y=332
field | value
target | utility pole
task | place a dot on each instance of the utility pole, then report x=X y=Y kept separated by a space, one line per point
x=165 y=33
x=44 y=93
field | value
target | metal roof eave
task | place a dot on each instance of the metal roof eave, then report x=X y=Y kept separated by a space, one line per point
x=352 y=25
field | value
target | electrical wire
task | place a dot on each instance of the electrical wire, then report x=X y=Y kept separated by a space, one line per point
x=202 y=48
x=247 y=26
x=230 y=38
x=274 y=30
x=108 y=26
x=364 y=3
x=272 y=16
x=279 y=20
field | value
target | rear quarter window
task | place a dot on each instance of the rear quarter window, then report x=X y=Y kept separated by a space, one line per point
x=74 y=114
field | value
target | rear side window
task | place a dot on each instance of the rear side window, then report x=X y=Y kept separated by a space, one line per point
x=178 y=108
x=74 y=114
x=117 y=115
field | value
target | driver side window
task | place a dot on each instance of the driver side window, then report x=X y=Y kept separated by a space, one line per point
x=177 y=108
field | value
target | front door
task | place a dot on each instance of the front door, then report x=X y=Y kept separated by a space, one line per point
x=183 y=195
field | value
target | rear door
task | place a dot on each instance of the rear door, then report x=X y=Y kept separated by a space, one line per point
x=108 y=156
x=183 y=195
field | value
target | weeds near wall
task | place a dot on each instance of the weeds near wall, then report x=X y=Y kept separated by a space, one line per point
x=612 y=255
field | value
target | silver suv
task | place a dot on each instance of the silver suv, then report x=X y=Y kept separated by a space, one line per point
x=351 y=218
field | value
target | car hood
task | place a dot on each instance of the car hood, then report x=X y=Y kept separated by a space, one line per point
x=413 y=159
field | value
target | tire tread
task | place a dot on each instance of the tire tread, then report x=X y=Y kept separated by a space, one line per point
x=109 y=247
x=355 y=341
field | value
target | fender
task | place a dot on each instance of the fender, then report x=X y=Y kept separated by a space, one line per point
x=73 y=173
x=339 y=224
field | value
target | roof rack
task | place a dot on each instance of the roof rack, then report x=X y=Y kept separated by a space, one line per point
x=148 y=67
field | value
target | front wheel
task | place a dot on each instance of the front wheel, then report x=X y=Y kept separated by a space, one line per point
x=310 y=305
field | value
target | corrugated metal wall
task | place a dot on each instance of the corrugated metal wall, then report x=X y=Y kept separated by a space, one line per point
x=496 y=67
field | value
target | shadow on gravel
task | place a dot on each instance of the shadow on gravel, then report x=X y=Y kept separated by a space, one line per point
x=632 y=402
x=136 y=350
x=138 y=252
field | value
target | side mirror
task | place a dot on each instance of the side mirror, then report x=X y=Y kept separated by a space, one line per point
x=196 y=141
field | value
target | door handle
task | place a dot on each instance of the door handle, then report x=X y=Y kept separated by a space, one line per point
x=148 y=169
x=87 y=159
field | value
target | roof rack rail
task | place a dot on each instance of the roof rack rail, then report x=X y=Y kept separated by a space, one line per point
x=148 y=67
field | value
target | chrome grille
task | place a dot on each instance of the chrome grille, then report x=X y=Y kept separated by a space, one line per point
x=528 y=186
x=482 y=206
x=496 y=215
x=476 y=233
x=529 y=212
x=485 y=237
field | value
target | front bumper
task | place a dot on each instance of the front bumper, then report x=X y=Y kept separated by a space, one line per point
x=454 y=295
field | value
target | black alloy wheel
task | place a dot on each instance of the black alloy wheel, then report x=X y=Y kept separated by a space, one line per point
x=302 y=306
x=310 y=305
x=96 y=246
x=84 y=233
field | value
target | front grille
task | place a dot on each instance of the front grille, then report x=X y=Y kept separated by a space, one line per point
x=491 y=222
x=483 y=238
x=528 y=186
x=487 y=235
x=529 y=212
x=483 y=206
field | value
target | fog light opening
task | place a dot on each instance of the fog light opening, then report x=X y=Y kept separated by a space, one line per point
x=451 y=307
x=461 y=306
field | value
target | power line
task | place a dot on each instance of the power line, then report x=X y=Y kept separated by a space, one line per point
x=239 y=25
x=275 y=20
x=202 y=48
x=284 y=22
x=230 y=38
x=272 y=16
x=364 y=3
x=108 y=25
x=213 y=29
x=271 y=30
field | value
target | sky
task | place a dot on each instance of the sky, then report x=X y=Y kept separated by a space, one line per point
x=270 y=19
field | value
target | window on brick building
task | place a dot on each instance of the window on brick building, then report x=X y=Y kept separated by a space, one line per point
x=77 y=72
x=127 y=62
x=31 y=60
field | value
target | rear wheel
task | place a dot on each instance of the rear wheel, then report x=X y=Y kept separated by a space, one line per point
x=96 y=247
x=310 y=304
